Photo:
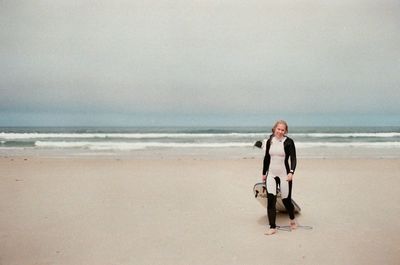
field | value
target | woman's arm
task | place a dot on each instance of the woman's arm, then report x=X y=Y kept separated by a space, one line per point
x=267 y=160
x=293 y=158
x=267 y=157
x=290 y=153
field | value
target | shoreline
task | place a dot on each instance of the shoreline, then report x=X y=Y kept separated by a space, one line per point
x=111 y=157
x=206 y=153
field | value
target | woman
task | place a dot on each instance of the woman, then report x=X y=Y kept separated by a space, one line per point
x=279 y=149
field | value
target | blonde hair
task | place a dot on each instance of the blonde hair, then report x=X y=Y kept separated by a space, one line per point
x=280 y=122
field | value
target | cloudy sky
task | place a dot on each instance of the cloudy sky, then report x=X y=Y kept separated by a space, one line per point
x=199 y=62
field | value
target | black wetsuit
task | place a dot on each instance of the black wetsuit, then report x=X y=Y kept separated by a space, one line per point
x=290 y=154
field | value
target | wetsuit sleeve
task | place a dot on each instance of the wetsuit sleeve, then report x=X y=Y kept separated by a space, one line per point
x=267 y=159
x=293 y=158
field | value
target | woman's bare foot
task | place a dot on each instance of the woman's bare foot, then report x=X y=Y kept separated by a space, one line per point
x=293 y=224
x=270 y=231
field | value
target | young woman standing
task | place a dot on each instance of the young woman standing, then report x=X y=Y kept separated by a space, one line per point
x=277 y=171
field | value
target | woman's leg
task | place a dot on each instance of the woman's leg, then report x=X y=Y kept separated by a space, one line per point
x=271 y=210
x=271 y=196
x=286 y=190
x=271 y=214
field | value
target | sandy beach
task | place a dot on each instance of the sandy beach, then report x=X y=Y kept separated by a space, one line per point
x=193 y=211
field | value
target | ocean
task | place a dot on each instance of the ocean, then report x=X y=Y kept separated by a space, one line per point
x=236 y=142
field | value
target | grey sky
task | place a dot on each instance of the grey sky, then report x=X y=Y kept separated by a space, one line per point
x=200 y=57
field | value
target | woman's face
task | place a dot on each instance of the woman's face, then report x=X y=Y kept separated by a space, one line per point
x=280 y=130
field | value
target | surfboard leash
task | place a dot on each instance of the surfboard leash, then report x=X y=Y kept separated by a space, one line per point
x=287 y=227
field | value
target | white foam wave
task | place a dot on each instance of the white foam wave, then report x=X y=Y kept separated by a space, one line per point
x=132 y=146
x=21 y=136
x=348 y=135
x=17 y=136
x=352 y=144
x=144 y=145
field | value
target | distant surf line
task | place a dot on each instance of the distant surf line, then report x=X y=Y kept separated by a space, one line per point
x=144 y=145
x=22 y=136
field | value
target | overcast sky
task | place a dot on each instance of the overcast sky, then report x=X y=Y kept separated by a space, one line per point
x=131 y=62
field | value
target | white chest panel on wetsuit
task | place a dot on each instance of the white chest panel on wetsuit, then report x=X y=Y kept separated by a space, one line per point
x=277 y=153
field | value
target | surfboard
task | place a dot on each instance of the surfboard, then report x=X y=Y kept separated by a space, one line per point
x=260 y=193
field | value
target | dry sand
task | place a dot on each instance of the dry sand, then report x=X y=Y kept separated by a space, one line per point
x=186 y=211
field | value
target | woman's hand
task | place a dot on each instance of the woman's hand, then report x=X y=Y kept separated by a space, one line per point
x=289 y=177
x=264 y=177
